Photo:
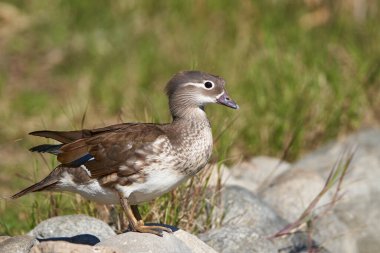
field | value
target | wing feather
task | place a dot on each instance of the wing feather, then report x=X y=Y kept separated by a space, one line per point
x=70 y=136
x=104 y=151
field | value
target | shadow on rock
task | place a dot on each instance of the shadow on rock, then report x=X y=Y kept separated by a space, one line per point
x=86 y=239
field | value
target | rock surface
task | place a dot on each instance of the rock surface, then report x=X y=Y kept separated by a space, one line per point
x=362 y=180
x=193 y=242
x=179 y=241
x=73 y=228
x=257 y=173
x=231 y=239
x=291 y=193
x=242 y=208
x=359 y=209
x=334 y=235
x=248 y=218
x=17 y=244
x=76 y=233
x=3 y=238
x=66 y=247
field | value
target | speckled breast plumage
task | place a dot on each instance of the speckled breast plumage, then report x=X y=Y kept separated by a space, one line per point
x=176 y=162
x=193 y=153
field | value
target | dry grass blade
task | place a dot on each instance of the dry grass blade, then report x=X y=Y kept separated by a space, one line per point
x=309 y=217
x=225 y=128
x=84 y=115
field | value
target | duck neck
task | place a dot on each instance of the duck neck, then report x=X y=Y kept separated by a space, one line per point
x=188 y=113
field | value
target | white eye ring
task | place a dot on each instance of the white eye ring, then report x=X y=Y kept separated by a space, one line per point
x=208 y=85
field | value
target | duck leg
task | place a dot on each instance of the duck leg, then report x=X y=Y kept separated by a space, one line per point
x=138 y=225
x=136 y=213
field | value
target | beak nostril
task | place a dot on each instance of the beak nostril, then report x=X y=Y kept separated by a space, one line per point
x=224 y=99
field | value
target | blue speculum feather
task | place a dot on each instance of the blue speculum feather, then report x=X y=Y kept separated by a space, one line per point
x=54 y=149
x=82 y=160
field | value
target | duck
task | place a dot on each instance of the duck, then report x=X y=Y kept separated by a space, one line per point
x=132 y=163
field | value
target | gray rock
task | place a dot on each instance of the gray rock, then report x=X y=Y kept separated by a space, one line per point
x=248 y=215
x=334 y=235
x=246 y=239
x=66 y=227
x=362 y=216
x=291 y=193
x=238 y=239
x=4 y=237
x=359 y=208
x=142 y=243
x=17 y=244
x=257 y=173
x=193 y=242
x=241 y=207
x=365 y=167
x=66 y=247
x=286 y=198
x=179 y=241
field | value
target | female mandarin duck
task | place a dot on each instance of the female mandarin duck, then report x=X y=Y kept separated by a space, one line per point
x=131 y=163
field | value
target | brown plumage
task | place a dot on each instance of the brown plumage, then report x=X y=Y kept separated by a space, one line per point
x=131 y=163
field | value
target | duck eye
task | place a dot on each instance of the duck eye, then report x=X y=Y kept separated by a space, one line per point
x=209 y=85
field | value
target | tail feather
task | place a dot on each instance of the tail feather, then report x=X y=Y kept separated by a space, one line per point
x=64 y=137
x=47 y=148
x=40 y=186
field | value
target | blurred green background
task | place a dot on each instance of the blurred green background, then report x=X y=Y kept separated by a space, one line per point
x=303 y=72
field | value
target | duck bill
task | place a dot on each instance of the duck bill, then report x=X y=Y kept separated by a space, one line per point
x=224 y=99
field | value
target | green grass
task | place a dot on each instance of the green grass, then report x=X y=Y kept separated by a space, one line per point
x=109 y=60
